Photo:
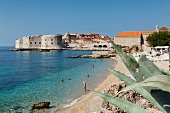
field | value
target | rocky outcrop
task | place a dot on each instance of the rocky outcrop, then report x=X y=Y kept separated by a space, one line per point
x=97 y=54
x=41 y=105
x=74 y=56
x=131 y=96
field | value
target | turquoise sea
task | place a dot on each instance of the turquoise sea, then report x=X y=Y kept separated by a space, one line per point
x=29 y=77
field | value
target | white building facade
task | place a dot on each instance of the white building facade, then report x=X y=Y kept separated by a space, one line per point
x=40 y=42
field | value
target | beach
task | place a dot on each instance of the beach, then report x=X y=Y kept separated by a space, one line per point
x=92 y=103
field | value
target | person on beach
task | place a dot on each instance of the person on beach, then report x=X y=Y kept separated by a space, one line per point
x=87 y=74
x=61 y=80
x=92 y=65
x=84 y=83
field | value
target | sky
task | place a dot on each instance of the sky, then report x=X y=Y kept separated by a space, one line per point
x=20 y=18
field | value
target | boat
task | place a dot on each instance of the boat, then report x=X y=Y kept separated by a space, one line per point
x=44 y=50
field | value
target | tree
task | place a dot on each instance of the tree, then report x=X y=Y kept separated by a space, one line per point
x=161 y=38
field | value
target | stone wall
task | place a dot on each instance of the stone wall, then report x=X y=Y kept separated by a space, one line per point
x=40 y=42
x=35 y=42
x=19 y=43
x=51 y=42
x=144 y=38
x=26 y=42
x=127 y=41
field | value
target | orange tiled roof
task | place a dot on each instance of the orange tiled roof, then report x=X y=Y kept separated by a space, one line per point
x=82 y=45
x=87 y=40
x=129 y=34
x=95 y=41
x=148 y=32
x=96 y=38
x=164 y=28
x=105 y=39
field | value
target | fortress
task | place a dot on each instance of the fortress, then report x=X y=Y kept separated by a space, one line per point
x=40 y=42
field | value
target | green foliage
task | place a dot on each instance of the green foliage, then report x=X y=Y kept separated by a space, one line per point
x=148 y=68
x=127 y=106
x=160 y=81
x=161 y=38
x=147 y=74
x=140 y=90
x=130 y=62
x=166 y=72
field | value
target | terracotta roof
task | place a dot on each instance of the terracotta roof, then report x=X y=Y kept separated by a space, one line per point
x=82 y=45
x=129 y=34
x=148 y=32
x=105 y=38
x=95 y=41
x=163 y=28
x=87 y=40
x=96 y=38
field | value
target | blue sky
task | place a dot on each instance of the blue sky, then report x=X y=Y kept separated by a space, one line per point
x=20 y=18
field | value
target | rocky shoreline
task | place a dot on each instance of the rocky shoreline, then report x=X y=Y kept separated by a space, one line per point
x=97 y=54
x=131 y=96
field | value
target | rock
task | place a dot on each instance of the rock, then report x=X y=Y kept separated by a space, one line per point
x=41 y=105
x=74 y=56
x=96 y=56
x=105 y=104
x=131 y=96
x=86 y=56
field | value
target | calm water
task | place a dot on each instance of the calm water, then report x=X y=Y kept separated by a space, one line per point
x=28 y=77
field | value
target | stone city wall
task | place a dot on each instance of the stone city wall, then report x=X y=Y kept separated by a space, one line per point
x=127 y=41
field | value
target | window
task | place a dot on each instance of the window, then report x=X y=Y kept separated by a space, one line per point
x=30 y=42
x=45 y=39
x=35 y=42
x=51 y=42
x=100 y=45
x=51 y=39
x=39 y=42
x=95 y=46
x=105 y=46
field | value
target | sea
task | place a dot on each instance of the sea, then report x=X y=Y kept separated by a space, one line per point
x=29 y=77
